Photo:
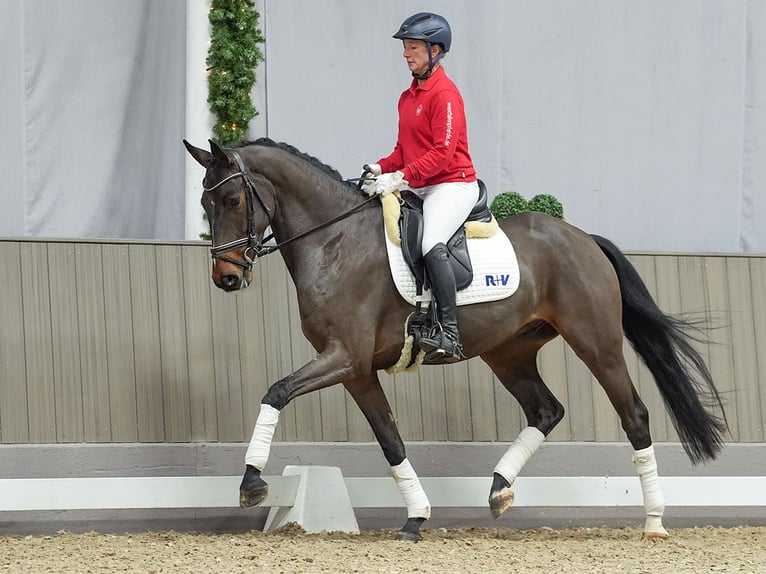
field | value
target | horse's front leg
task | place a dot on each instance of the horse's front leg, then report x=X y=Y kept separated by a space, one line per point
x=369 y=395
x=329 y=368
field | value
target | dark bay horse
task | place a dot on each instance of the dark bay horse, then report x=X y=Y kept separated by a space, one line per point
x=572 y=284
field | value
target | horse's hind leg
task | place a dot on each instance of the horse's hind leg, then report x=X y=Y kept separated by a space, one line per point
x=600 y=347
x=369 y=395
x=516 y=367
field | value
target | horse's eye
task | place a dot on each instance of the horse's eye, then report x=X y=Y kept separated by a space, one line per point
x=231 y=202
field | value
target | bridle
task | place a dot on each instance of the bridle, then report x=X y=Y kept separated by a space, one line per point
x=255 y=248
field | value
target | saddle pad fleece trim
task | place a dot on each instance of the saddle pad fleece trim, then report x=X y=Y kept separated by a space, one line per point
x=495 y=271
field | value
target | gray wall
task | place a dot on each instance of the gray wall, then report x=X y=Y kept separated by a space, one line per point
x=91 y=117
x=644 y=118
x=129 y=342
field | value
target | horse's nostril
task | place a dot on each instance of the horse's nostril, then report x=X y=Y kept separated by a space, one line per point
x=230 y=281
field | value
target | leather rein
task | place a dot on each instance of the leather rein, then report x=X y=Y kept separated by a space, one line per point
x=255 y=248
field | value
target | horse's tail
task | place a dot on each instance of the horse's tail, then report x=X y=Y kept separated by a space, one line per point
x=664 y=344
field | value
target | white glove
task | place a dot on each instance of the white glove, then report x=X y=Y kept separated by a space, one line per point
x=370 y=172
x=387 y=183
x=373 y=168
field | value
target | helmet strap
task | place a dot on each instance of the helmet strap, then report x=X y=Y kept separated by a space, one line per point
x=431 y=63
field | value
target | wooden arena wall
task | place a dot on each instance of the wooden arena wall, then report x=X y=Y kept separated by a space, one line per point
x=129 y=342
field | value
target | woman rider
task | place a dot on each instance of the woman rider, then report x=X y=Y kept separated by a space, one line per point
x=431 y=158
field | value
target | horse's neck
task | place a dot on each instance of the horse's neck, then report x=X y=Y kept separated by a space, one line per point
x=305 y=199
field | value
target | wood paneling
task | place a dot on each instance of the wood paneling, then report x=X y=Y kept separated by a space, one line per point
x=14 y=408
x=119 y=343
x=131 y=342
x=38 y=343
x=91 y=320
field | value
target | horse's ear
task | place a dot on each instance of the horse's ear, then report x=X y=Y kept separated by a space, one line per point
x=218 y=153
x=202 y=156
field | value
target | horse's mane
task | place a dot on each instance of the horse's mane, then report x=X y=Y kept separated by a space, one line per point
x=268 y=142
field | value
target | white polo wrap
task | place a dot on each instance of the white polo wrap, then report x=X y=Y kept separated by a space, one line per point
x=646 y=467
x=258 y=451
x=517 y=455
x=414 y=496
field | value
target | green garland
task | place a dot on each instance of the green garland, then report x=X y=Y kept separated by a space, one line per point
x=232 y=58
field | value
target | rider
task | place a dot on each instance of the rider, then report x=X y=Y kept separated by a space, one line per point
x=431 y=157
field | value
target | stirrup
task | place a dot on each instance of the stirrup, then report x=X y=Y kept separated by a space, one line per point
x=446 y=349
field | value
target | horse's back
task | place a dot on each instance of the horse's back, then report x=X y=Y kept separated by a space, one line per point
x=539 y=238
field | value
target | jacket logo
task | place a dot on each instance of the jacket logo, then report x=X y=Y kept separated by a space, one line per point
x=419 y=110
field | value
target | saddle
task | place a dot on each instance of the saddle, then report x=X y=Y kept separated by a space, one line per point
x=411 y=233
x=420 y=321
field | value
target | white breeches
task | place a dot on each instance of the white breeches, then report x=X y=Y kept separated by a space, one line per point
x=445 y=208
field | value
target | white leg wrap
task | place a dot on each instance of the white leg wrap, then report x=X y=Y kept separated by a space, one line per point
x=258 y=451
x=414 y=496
x=525 y=445
x=654 y=501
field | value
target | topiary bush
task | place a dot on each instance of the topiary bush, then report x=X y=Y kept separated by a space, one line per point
x=511 y=203
x=547 y=204
x=508 y=203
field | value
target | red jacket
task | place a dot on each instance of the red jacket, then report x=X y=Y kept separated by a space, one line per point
x=432 y=145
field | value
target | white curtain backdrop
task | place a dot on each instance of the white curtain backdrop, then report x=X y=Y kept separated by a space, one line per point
x=92 y=115
x=646 y=119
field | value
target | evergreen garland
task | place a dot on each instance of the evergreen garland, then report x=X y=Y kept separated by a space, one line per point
x=232 y=58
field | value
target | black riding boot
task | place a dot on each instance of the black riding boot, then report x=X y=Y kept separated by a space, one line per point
x=443 y=342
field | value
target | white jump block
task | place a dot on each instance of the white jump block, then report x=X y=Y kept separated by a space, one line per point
x=322 y=503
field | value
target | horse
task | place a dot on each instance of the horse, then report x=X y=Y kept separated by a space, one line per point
x=572 y=284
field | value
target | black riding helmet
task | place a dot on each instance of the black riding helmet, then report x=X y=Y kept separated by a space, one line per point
x=432 y=29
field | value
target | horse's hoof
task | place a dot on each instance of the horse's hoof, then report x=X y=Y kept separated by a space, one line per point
x=253 y=490
x=653 y=528
x=253 y=498
x=409 y=536
x=656 y=535
x=410 y=532
x=500 y=496
x=501 y=501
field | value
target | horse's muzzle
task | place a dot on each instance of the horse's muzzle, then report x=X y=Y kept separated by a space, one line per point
x=231 y=279
x=231 y=282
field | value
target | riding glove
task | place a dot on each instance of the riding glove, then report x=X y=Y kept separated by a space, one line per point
x=370 y=172
x=388 y=182
x=373 y=168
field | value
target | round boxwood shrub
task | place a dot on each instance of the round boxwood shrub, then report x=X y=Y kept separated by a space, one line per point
x=547 y=204
x=508 y=203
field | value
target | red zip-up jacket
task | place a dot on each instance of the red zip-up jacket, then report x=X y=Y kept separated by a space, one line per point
x=432 y=145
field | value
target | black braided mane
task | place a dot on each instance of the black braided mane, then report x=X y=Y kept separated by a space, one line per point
x=329 y=170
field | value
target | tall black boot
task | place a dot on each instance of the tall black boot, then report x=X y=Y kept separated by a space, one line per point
x=443 y=343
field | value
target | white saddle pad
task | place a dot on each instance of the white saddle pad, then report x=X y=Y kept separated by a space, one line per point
x=495 y=271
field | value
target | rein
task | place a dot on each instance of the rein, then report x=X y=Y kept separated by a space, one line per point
x=255 y=248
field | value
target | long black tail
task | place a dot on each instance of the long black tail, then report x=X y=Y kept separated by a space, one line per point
x=664 y=344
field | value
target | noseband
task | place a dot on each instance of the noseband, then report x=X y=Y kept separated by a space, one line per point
x=254 y=247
